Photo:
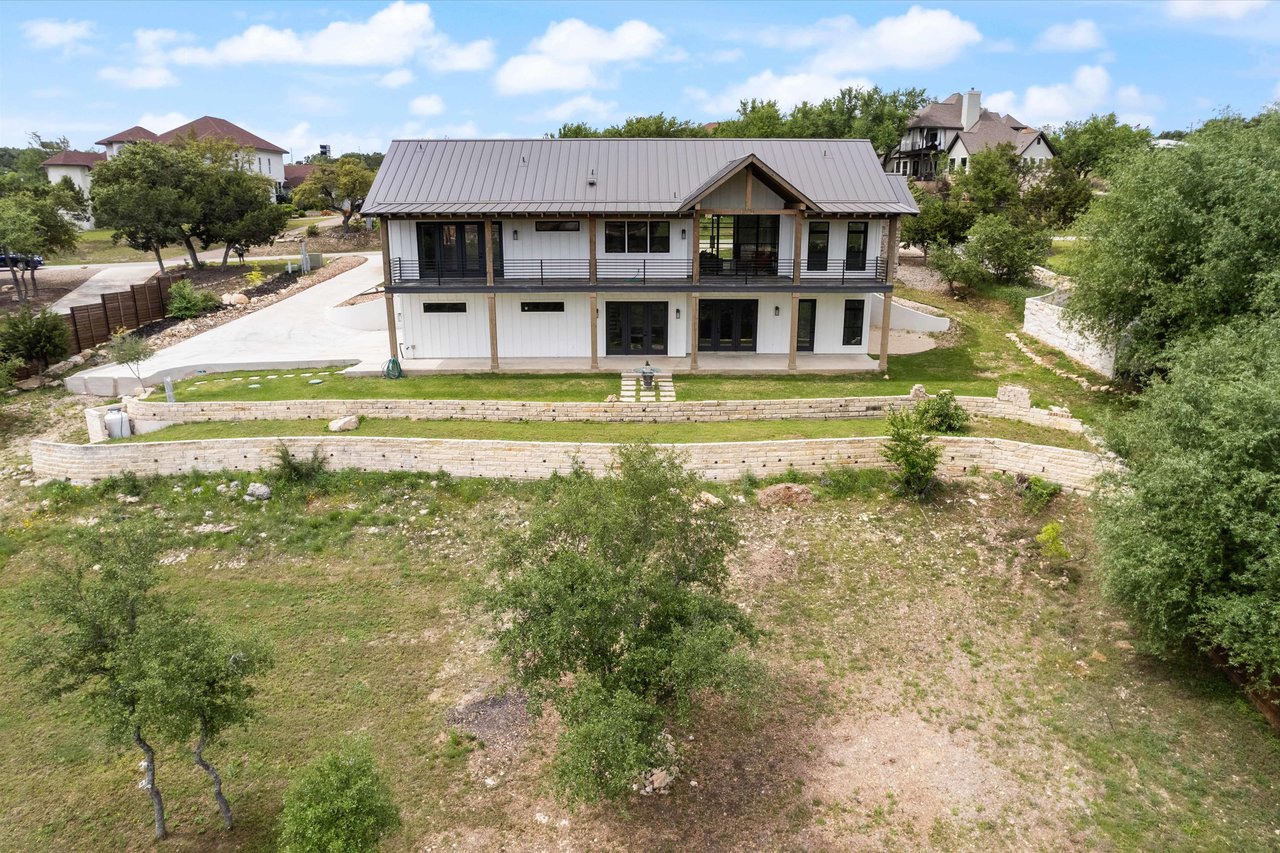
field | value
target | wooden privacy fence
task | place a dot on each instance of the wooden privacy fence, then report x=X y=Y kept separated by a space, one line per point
x=91 y=325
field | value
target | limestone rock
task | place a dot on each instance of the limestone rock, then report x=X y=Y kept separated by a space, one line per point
x=612 y=398
x=344 y=424
x=258 y=491
x=234 y=299
x=1015 y=394
x=706 y=499
x=31 y=383
x=918 y=392
x=784 y=494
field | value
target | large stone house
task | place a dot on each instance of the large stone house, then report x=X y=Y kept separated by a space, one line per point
x=590 y=254
x=946 y=133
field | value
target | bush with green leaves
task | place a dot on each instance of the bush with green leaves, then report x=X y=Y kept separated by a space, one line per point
x=959 y=272
x=313 y=230
x=42 y=337
x=339 y=803
x=941 y=413
x=129 y=351
x=9 y=367
x=186 y=302
x=913 y=455
x=611 y=605
x=1050 y=541
x=1037 y=493
x=1189 y=533
x=291 y=469
x=1007 y=247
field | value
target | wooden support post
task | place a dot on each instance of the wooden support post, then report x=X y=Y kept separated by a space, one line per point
x=795 y=330
x=493 y=331
x=593 y=313
x=384 y=223
x=797 y=227
x=488 y=251
x=891 y=270
x=591 y=262
x=693 y=331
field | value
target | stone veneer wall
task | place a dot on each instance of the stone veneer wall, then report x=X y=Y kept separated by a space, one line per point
x=1012 y=402
x=1074 y=469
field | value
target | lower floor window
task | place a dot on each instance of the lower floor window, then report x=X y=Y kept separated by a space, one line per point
x=853 y=313
x=444 y=308
x=542 y=307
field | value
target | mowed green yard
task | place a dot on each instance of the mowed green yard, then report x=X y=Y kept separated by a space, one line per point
x=935 y=684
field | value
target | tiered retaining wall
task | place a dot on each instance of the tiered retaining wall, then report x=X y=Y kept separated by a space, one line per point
x=1074 y=469
x=1012 y=402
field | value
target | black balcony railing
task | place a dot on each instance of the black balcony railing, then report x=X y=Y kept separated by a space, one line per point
x=711 y=270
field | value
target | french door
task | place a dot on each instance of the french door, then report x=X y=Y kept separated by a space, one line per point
x=454 y=249
x=727 y=325
x=806 y=321
x=635 y=328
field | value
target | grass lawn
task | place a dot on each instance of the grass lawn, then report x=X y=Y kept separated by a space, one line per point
x=935 y=684
x=1063 y=256
x=95 y=247
x=304 y=221
x=672 y=433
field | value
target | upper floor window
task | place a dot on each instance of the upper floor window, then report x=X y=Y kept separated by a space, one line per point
x=855 y=257
x=819 y=240
x=637 y=237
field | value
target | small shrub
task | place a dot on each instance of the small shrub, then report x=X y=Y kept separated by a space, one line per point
x=748 y=483
x=911 y=452
x=853 y=482
x=255 y=276
x=338 y=804
x=9 y=367
x=186 y=302
x=1050 y=541
x=942 y=413
x=1037 y=493
x=127 y=483
x=42 y=337
x=130 y=351
x=313 y=230
x=288 y=208
x=291 y=469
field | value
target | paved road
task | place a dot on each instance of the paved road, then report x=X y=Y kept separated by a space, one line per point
x=294 y=332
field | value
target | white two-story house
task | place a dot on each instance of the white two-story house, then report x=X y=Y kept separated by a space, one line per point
x=605 y=253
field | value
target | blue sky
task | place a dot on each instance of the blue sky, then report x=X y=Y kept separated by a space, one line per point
x=358 y=74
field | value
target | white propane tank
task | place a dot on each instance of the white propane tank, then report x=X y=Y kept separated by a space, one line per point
x=118 y=424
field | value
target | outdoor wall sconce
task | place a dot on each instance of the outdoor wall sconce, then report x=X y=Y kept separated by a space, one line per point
x=684 y=234
x=777 y=311
x=515 y=235
x=677 y=313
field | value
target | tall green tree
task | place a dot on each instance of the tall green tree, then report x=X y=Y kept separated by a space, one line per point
x=236 y=205
x=147 y=195
x=1186 y=239
x=993 y=181
x=1057 y=195
x=756 y=119
x=941 y=222
x=1191 y=529
x=341 y=185
x=875 y=114
x=1098 y=144
x=611 y=606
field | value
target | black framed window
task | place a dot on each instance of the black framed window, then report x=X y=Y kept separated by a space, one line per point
x=444 y=308
x=819 y=242
x=615 y=237
x=855 y=256
x=854 y=309
x=557 y=225
x=542 y=307
x=637 y=237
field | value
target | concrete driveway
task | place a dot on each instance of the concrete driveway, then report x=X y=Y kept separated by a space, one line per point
x=110 y=278
x=295 y=332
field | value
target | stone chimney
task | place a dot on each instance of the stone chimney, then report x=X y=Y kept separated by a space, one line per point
x=970 y=109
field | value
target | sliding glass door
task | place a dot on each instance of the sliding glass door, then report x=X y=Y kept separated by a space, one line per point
x=455 y=249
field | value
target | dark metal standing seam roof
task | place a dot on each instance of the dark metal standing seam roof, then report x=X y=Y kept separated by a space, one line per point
x=512 y=176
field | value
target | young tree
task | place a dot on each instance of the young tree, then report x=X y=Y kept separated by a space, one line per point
x=39 y=221
x=39 y=336
x=198 y=683
x=913 y=454
x=130 y=350
x=338 y=804
x=610 y=605
x=19 y=235
x=1185 y=240
x=1057 y=195
x=1007 y=249
x=1191 y=543
x=86 y=640
x=993 y=181
x=1097 y=144
x=341 y=186
x=146 y=194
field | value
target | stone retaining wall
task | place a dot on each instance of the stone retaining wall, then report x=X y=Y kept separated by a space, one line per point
x=1074 y=469
x=1043 y=321
x=1008 y=404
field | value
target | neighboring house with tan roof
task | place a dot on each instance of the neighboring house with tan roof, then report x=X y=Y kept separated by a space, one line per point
x=947 y=133
x=267 y=158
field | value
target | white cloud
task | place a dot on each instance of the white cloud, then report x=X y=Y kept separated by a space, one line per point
x=582 y=108
x=1089 y=91
x=391 y=36
x=1231 y=10
x=162 y=122
x=396 y=79
x=139 y=77
x=731 y=55
x=47 y=33
x=1067 y=38
x=787 y=89
x=919 y=38
x=427 y=105
x=571 y=54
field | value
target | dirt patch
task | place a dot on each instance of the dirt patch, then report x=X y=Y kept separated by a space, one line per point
x=330 y=241
x=500 y=723
x=52 y=284
x=913 y=273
